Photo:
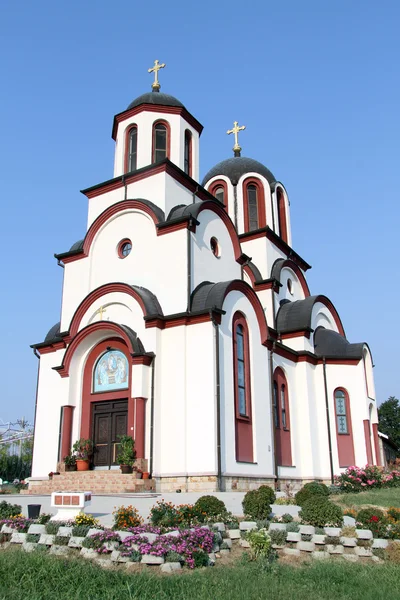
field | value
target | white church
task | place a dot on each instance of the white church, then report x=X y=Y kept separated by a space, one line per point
x=187 y=322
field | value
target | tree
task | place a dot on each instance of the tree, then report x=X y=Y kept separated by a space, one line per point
x=389 y=419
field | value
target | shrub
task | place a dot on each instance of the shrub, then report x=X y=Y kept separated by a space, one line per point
x=348 y=531
x=98 y=540
x=392 y=552
x=126 y=517
x=20 y=524
x=306 y=537
x=256 y=503
x=350 y=512
x=283 y=501
x=173 y=556
x=135 y=556
x=200 y=558
x=33 y=537
x=393 y=514
x=357 y=479
x=61 y=540
x=320 y=531
x=293 y=527
x=393 y=531
x=209 y=506
x=334 y=540
x=260 y=543
x=262 y=523
x=224 y=546
x=373 y=519
x=364 y=543
x=86 y=519
x=80 y=530
x=379 y=552
x=278 y=536
x=286 y=518
x=320 y=512
x=43 y=519
x=314 y=488
x=52 y=527
x=8 y=510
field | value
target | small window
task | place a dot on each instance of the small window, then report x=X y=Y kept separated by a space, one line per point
x=241 y=377
x=283 y=407
x=290 y=286
x=219 y=193
x=341 y=412
x=160 y=142
x=188 y=153
x=275 y=405
x=252 y=204
x=124 y=248
x=132 y=158
x=215 y=247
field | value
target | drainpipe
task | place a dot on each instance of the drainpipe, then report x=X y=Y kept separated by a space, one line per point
x=153 y=366
x=328 y=423
x=271 y=377
x=189 y=266
x=217 y=402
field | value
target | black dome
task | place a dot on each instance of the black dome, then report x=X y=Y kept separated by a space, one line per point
x=237 y=166
x=156 y=98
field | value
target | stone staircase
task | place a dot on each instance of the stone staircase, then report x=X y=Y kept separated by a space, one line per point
x=97 y=482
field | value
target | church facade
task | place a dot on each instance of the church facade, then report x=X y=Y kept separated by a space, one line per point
x=187 y=322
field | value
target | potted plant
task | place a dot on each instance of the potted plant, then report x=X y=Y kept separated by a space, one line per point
x=83 y=450
x=127 y=453
x=146 y=475
x=70 y=462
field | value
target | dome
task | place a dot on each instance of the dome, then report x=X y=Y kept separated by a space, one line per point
x=237 y=166
x=156 y=98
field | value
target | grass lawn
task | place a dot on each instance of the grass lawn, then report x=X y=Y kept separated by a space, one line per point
x=39 y=576
x=384 y=498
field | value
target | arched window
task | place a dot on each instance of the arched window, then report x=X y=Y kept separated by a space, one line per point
x=280 y=405
x=282 y=215
x=188 y=153
x=344 y=435
x=242 y=389
x=161 y=141
x=219 y=189
x=132 y=156
x=254 y=205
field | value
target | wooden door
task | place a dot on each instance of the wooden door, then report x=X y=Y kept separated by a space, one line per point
x=110 y=420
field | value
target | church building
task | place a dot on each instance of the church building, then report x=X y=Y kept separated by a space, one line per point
x=187 y=322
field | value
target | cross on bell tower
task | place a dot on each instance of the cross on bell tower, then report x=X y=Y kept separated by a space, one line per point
x=156 y=84
x=235 y=131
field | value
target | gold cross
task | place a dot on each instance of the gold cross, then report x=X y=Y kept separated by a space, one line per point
x=101 y=311
x=156 y=85
x=235 y=131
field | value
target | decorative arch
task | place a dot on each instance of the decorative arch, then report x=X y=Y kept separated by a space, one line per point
x=167 y=126
x=242 y=389
x=280 y=402
x=131 y=146
x=344 y=430
x=282 y=217
x=215 y=186
x=280 y=264
x=122 y=331
x=260 y=199
x=146 y=300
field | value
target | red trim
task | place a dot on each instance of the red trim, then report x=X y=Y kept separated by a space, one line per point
x=243 y=424
x=220 y=183
x=282 y=435
x=172 y=110
x=289 y=264
x=295 y=334
x=345 y=443
x=368 y=445
x=278 y=243
x=376 y=443
x=120 y=246
x=271 y=284
x=280 y=197
x=153 y=138
x=140 y=426
x=63 y=370
x=66 y=431
x=179 y=320
x=103 y=290
x=262 y=222
x=127 y=145
x=173 y=227
x=189 y=138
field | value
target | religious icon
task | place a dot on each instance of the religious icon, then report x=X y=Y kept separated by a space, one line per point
x=111 y=372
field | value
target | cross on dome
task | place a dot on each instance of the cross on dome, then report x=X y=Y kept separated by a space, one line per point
x=156 y=84
x=235 y=130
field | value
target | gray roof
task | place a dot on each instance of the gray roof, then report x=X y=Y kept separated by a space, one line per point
x=53 y=333
x=237 y=166
x=296 y=316
x=149 y=299
x=209 y=295
x=277 y=268
x=137 y=345
x=331 y=344
x=77 y=247
x=255 y=271
x=155 y=98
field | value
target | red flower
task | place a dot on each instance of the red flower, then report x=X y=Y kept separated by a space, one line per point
x=374 y=518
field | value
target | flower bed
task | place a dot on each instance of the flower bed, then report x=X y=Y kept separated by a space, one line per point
x=357 y=479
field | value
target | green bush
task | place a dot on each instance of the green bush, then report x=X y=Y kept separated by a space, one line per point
x=43 y=519
x=61 y=540
x=33 y=537
x=80 y=530
x=278 y=536
x=287 y=518
x=293 y=527
x=314 y=488
x=392 y=552
x=209 y=506
x=52 y=527
x=200 y=558
x=320 y=512
x=260 y=543
x=373 y=519
x=8 y=510
x=257 y=503
x=174 y=557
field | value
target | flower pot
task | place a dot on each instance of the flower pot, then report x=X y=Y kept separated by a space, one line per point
x=69 y=468
x=82 y=465
x=125 y=469
x=146 y=475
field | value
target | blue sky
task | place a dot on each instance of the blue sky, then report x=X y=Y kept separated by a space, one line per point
x=316 y=83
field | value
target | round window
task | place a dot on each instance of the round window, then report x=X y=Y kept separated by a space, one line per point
x=124 y=248
x=215 y=247
x=290 y=286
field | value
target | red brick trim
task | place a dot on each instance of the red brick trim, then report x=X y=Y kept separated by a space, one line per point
x=66 y=431
x=185 y=319
x=278 y=243
x=294 y=334
x=368 y=445
x=345 y=443
x=172 y=110
x=282 y=435
x=280 y=198
x=376 y=444
x=243 y=424
x=262 y=222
